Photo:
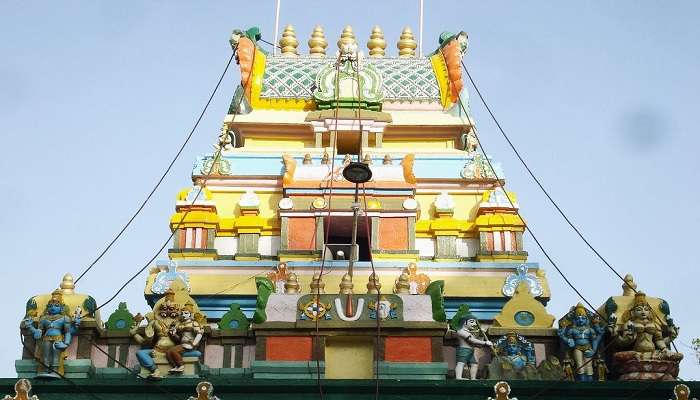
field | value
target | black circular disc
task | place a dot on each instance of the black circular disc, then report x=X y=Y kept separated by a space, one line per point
x=357 y=172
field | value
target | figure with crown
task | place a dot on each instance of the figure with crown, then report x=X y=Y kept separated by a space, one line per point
x=155 y=335
x=188 y=333
x=642 y=340
x=581 y=331
x=469 y=337
x=54 y=329
x=514 y=358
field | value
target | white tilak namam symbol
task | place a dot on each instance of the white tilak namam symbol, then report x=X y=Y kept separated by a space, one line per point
x=341 y=313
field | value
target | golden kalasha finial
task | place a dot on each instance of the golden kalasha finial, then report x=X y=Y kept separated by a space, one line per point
x=407 y=44
x=318 y=42
x=373 y=284
x=288 y=42
x=346 y=284
x=387 y=159
x=402 y=285
x=347 y=37
x=67 y=285
x=317 y=285
x=307 y=159
x=326 y=159
x=376 y=43
x=629 y=288
x=367 y=159
x=292 y=284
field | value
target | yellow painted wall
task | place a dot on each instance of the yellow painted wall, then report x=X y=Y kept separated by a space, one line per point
x=227 y=203
x=466 y=205
x=463 y=285
x=349 y=357
x=418 y=143
x=279 y=143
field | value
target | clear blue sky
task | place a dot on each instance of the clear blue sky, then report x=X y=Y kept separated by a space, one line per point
x=601 y=98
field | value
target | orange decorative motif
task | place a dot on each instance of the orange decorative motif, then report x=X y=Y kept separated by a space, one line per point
x=245 y=57
x=279 y=277
x=407 y=164
x=453 y=58
x=418 y=282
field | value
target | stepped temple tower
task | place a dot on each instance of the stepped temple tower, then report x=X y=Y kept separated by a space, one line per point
x=347 y=225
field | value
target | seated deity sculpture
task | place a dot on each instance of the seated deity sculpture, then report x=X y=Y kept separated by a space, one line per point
x=187 y=333
x=469 y=336
x=514 y=358
x=54 y=332
x=641 y=342
x=580 y=332
x=156 y=334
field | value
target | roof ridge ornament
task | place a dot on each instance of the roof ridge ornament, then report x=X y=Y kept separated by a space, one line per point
x=288 y=42
x=376 y=43
x=407 y=44
x=318 y=43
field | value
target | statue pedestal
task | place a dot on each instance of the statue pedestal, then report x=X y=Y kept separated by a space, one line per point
x=190 y=360
x=632 y=369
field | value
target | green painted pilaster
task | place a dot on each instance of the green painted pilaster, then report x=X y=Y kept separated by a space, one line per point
x=248 y=243
x=411 y=233
x=374 y=245
x=211 y=235
x=320 y=236
x=446 y=247
x=284 y=228
x=176 y=239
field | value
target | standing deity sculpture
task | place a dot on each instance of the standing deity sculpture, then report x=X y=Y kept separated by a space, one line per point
x=156 y=333
x=581 y=332
x=469 y=337
x=187 y=333
x=54 y=331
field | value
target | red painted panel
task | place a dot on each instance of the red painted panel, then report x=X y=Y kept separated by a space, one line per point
x=408 y=349
x=288 y=348
x=301 y=233
x=393 y=233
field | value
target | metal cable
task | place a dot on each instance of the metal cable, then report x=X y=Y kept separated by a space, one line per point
x=182 y=219
x=549 y=197
x=50 y=369
x=162 y=177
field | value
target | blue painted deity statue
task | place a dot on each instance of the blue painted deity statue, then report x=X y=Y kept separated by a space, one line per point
x=514 y=358
x=54 y=332
x=580 y=332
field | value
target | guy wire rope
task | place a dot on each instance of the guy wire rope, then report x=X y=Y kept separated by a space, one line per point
x=546 y=193
x=214 y=162
x=162 y=177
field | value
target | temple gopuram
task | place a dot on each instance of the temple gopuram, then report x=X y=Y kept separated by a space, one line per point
x=347 y=237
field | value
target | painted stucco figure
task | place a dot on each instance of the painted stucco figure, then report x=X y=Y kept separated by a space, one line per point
x=156 y=333
x=187 y=333
x=580 y=332
x=642 y=334
x=469 y=336
x=54 y=332
x=514 y=358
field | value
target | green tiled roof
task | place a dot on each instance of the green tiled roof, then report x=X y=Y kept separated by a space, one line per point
x=405 y=79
